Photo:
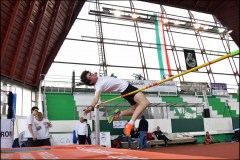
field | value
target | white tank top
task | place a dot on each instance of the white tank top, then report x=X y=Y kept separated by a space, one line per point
x=110 y=84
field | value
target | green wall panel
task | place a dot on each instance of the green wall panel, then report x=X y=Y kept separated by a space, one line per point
x=187 y=125
x=236 y=96
x=61 y=106
x=120 y=104
x=216 y=138
x=107 y=96
x=235 y=122
x=106 y=127
x=220 y=107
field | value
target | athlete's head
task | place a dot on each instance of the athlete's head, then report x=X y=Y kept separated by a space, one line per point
x=89 y=78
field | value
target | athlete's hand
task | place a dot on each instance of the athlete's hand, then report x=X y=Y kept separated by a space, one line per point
x=86 y=111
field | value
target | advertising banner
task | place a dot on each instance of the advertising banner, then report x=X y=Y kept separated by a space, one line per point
x=105 y=139
x=6 y=133
x=61 y=139
x=219 y=89
x=170 y=86
x=119 y=124
x=194 y=86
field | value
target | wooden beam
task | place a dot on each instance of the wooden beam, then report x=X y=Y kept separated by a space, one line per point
x=62 y=36
x=31 y=52
x=9 y=30
x=22 y=37
x=219 y=7
x=45 y=51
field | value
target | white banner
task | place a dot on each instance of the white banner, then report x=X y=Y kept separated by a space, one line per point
x=169 y=86
x=193 y=86
x=6 y=133
x=61 y=139
x=105 y=139
x=119 y=124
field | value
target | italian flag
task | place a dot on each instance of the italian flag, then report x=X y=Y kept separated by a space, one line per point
x=163 y=59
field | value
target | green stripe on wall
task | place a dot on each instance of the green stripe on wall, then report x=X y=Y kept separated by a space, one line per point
x=121 y=104
x=216 y=138
x=187 y=125
x=159 y=50
x=61 y=106
x=235 y=122
x=106 y=127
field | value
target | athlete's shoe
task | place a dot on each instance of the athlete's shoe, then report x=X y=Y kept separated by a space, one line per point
x=127 y=129
x=115 y=116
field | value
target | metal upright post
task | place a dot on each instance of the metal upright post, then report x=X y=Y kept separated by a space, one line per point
x=202 y=48
x=139 y=41
x=226 y=44
x=100 y=42
x=205 y=98
x=40 y=97
x=97 y=126
x=172 y=44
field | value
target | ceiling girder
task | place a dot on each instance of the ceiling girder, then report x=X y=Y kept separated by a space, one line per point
x=9 y=30
x=53 y=21
x=22 y=37
x=34 y=40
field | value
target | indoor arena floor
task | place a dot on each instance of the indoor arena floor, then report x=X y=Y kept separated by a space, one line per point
x=213 y=151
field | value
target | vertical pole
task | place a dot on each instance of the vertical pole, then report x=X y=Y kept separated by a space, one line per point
x=167 y=111
x=205 y=98
x=97 y=126
x=162 y=113
x=40 y=98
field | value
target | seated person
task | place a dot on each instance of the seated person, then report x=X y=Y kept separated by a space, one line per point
x=160 y=136
x=134 y=137
x=135 y=134
x=208 y=138
x=236 y=135
x=150 y=136
x=117 y=141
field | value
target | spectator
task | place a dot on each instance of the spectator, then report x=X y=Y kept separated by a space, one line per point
x=43 y=125
x=31 y=131
x=160 y=136
x=143 y=129
x=208 y=138
x=89 y=132
x=81 y=131
x=150 y=136
x=236 y=135
x=117 y=141
x=134 y=137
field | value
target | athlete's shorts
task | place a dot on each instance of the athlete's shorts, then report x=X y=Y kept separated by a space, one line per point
x=130 y=98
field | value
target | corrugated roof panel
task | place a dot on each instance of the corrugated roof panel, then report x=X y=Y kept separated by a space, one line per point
x=226 y=11
x=22 y=10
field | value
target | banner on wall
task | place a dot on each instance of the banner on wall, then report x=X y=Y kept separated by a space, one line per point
x=194 y=86
x=6 y=133
x=169 y=86
x=190 y=58
x=105 y=139
x=119 y=124
x=61 y=139
x=219 y=89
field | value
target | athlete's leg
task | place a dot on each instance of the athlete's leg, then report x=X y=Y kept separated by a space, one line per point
x=142 y=103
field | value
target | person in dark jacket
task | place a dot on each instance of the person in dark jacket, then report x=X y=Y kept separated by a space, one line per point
x=89 y=132
x=143 y=130
x=160 y=136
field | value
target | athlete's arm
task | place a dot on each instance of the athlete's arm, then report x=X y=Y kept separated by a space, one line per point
x=93 y=103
